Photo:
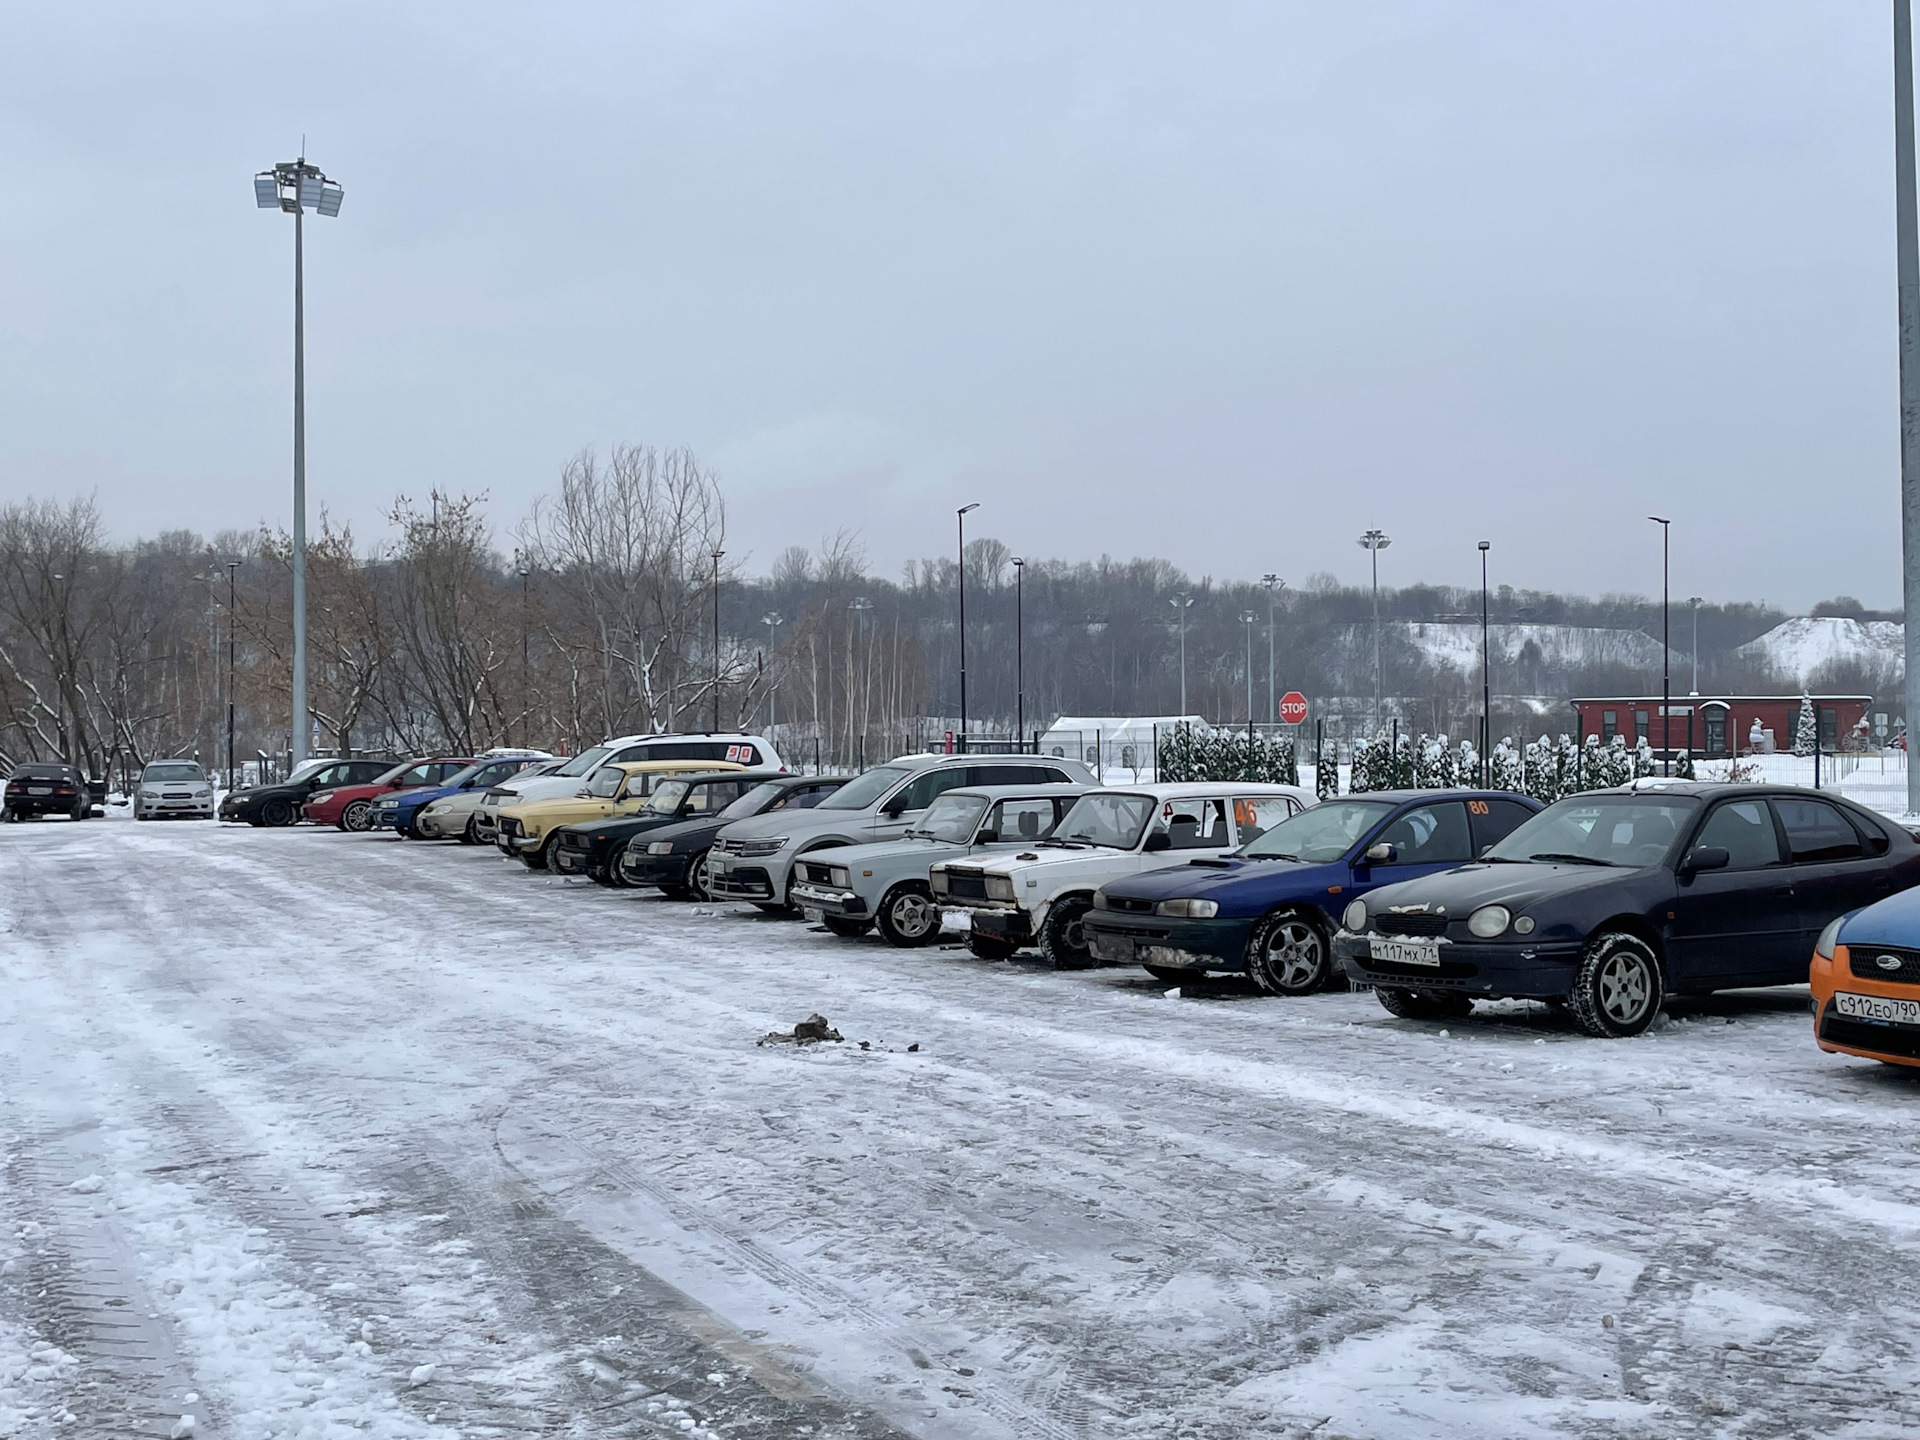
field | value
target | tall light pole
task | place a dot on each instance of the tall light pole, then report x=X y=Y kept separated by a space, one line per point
x=771 y=619
x=1486 y=676
x=1273 y=583
x=858 y=608
x=294 y=186
x=1907 y=265
x=1696 y=602
x=960 y=516
x=1374 y=541
x=232 y=644
x=1247 y=617
x=1020 y=650
x=1182 y=603
x=1666 y=649
x=716 y=637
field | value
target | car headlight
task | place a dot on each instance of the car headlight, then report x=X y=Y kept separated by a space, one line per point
x=321 y=798
x=1188 y=909
x=1489 y=921
x=437 y=807
x=203 y=793
x=1100 y=901
x=147 y=792
x=1354 y=917
x=937 y=878
x=839 y=875
x=1829 y=937
x=1523 y=926
x=660 y=847
x=999 y=887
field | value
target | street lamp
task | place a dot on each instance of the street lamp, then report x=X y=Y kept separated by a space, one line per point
x=1696 y=602
x=1666 y=652
x=295 y=187
x=1274 y=584
x=525 y=569
x=232 y=643
x=1374 y=541
x=1019 y=649
x=858 y=607
x=960 y=517
x=1182 y=603
x=1247 y=617
x=716 y=638
x=1486 y=676
x=1907 y=271
x=771 y=619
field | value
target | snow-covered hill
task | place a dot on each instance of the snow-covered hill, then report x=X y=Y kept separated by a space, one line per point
x=1801 y=645
x=1457 y=645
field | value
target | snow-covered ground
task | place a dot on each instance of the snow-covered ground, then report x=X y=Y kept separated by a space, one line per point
x=311 y=1134
x=1799 y=646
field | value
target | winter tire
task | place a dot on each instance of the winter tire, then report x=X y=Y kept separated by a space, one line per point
x=1063 y=939
x=1289 y=955
x=471 y=834
x=615 y=874
x=846 y=927
x=357 y=817
x=698 y=873
x=1424 y=1004
x=79 y=812
x=990 y=947
x=277 y=813
x=908 y=917
x=1618 y=988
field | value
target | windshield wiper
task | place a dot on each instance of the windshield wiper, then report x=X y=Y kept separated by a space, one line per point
x=1562 y=857
x=1275 y=856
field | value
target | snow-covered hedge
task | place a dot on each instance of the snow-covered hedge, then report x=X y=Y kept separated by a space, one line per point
x=1544 y=768
x=1189 y=754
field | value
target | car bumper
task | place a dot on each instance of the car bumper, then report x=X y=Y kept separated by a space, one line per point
x=193 y=809
x=1837 y=1034
x=568 y=861
x=829 y=900
x=438 y=827
x=1493 y=968
x=653 y=870
x=1118 y=938
x=1013 y=926
x=731 y=878
x=41 y=804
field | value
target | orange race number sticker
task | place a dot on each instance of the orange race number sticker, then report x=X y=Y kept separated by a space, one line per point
x=1478 y=807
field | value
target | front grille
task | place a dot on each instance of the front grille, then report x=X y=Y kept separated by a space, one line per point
x=1864 y=961
x=574 y=842
x=1898 y=1040
x=962 y=886
x=1425 y=925
x=1130 y=905
x=816 y=874
x=1145 y=933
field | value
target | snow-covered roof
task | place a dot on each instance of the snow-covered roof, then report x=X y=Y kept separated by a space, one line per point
x=1117 y=729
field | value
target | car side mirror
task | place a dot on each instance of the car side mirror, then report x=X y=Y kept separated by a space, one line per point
x=1158 y=841
x=987 y=837
x=1706 y=857
x=894 y=808
x=1382 y=853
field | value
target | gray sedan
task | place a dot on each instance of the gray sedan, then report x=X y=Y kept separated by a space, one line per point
x=178 y=788
x=855 y=887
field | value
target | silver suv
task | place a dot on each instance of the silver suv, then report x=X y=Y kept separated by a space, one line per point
x=753 y=859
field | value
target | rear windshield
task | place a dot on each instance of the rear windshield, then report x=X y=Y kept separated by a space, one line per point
x=585 y=760
x=861 y=791
x=173 y=770
x=42 y=772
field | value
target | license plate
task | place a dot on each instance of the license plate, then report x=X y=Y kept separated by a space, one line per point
x=1405 y=952
x=811 y=915
x=1878 y=1007
x=39 y=790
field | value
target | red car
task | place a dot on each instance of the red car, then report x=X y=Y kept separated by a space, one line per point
x=350 y=807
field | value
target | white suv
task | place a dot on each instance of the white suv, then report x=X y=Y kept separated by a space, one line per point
x=754 y=752
x=1040 y=896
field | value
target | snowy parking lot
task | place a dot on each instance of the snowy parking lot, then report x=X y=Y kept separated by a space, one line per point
x=315 y=1134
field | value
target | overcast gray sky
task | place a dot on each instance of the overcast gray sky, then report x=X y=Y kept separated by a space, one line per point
x=1224 y=283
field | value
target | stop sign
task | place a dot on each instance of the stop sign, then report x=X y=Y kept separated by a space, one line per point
x=1293 y=707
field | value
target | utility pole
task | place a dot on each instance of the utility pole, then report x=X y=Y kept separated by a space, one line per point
x=1666 y=646
x=771 y=619
x=232 y=644
x=1182 y=603
x=1273 y=584
x=1907 y=258
x=1486 y=677
x=960 y=516
x=716 y=638
x=1020 y=652
x=1247 y=617
x=1374 y=541
x=1696 y=602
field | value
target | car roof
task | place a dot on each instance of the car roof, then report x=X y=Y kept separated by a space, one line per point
x=717 y=770
x=1003 y=792
x=927 y=759
x=682 y=735
x=1188 y=789
x=659 y=767
x=1455 y=792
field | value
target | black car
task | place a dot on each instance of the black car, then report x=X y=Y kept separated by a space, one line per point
x=674 y=857
x=279 y=804
x=1610 y=901
x=49 y=790
x=594 y=847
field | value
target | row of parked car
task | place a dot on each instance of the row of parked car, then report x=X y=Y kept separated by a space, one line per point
x=1604 y=903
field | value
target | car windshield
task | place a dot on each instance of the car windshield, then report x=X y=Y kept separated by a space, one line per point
x=460 y=777
x=1322 y=834
x=666 y=797
x=1114 y=821
x=605 y=783
x=585 y=761
x=177 y=770
x=1626 y=830
x=951 y=818
x=861 y=791
x=304 y=769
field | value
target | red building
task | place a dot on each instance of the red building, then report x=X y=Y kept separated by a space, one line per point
x=1716 y=726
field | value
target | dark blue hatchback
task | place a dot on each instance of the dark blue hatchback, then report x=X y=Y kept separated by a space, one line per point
x=1271 y=907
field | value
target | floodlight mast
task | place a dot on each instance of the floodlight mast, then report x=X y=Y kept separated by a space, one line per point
x=294 y=186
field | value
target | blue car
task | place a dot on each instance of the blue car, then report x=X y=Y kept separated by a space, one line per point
x=401 y=810
x=1270 y=908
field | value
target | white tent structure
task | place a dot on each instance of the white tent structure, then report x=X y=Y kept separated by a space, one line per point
x=1124 y=742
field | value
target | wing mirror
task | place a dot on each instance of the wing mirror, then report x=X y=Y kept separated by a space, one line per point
x=1382 y=853
x=987 y=837
x=1706 y=857
x=1158 y=841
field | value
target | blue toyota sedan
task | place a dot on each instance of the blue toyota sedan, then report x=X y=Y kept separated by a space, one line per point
x=1271 y=908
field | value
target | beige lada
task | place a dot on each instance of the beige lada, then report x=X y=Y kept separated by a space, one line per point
x=530 y=829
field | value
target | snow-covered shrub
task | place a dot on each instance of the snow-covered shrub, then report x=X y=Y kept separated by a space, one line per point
x=1683 y=767
x=1326 y=770
x=1505 y=771
x=1806 y=731
x=1188 y=754
x=1643 y=762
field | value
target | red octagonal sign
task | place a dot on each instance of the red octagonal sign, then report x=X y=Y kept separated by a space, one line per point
x=1293 y=707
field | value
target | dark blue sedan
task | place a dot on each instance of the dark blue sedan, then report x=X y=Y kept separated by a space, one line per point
x=1270 y=908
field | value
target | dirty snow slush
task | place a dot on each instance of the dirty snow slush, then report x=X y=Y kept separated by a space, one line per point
x=306 y=1134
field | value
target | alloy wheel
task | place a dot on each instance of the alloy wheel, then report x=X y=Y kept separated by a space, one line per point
x=1625 y=989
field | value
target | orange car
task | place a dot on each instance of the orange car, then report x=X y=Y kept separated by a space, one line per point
x=1866 y=982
